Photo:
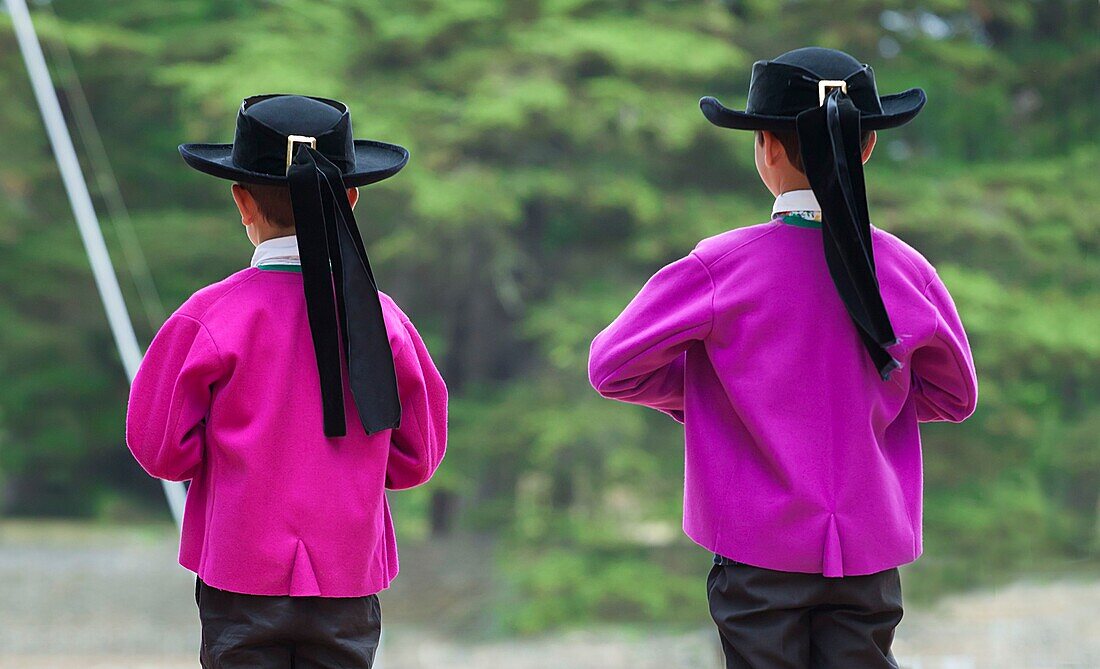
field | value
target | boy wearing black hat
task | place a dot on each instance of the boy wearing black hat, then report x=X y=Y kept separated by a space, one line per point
x=800 y=354
x=247 y=391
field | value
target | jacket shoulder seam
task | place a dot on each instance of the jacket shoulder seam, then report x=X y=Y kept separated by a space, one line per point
x=209 y=335
x=738 y=247
x=221 y=297
x=713 y=290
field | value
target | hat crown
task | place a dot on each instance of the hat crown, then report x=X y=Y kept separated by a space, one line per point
x=295 y=114
x=826 y=63
x=790 y=84
x=266 y=123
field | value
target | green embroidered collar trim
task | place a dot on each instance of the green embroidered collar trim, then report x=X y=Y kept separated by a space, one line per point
x=282 y=268
x=800 y=221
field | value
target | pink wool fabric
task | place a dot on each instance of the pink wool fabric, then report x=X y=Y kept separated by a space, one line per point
x=799 y=457
x=228 y=397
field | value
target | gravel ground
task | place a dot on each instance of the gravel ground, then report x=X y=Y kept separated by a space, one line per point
x=96 y=597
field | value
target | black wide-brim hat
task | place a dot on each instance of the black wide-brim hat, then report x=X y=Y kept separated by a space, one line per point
x=798 y=80
x=269 y=127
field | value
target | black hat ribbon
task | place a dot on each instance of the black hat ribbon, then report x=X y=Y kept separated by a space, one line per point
x=342 y=300
x=829 y=136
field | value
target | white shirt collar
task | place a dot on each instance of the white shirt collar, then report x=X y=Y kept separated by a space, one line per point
x=796 y=200
x=277 y=251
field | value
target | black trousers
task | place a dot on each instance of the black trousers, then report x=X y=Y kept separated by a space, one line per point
x=258 y=631
x=779 y=620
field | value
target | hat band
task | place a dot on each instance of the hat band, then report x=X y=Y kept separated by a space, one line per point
x=779 y=89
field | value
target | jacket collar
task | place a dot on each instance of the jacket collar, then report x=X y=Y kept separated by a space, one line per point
x=796 y=201
x=277 y=251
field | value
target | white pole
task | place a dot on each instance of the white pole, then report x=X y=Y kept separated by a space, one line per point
x=102 y=269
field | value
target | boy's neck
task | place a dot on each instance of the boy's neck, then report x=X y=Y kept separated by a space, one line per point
x=275 y=235
x=787 y=183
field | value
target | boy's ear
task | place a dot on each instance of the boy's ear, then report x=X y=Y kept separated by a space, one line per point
x=353 y=196
x=246 y=204
x=774 y=153
x=870 y=146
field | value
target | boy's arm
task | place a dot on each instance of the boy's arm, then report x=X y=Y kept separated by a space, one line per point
x=418 y=444
x=640 y=357
x=170 y=399
x=945 y=384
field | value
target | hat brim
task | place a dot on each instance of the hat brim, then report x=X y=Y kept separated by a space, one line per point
x=374 y=161
x=897 y=109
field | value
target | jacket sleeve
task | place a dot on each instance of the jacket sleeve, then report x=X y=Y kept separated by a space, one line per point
x=640 y=357
x=945 y=384
x=418 y=444
x=170 y=399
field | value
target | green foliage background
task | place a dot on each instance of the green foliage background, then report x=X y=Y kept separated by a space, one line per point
x=558 y=159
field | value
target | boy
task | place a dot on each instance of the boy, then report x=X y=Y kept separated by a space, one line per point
x=800 y=355
x=245 y=392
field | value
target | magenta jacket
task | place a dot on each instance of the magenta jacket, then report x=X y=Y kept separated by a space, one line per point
x=798 y=456
x=227 y=396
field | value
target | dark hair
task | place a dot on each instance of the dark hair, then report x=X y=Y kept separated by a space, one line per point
x=789 y=140
x=273 y=202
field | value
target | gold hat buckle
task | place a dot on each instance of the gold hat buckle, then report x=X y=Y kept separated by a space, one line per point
x=291 y=140
x=824 y=84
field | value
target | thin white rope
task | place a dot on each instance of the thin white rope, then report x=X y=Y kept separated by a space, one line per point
x=102 y=270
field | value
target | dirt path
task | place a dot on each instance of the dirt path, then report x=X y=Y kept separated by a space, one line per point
x=95 y=597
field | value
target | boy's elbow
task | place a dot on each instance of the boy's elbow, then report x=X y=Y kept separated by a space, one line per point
x=599 y=382
x=954 y=408
x=177 y=474
x=158 y=464
x=605 y=383
x=163 y=458
x=599 y=372
x=146 y=454
x=405 y=480
x=406 y=477
x=955 y=414
x=595 y=378
x=966 y=409
x=967 y=399
x=407 y=469
x=613 y=386
x=176 y=466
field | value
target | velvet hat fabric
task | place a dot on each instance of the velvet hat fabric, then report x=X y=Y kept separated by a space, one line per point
x=265 y=124
x=783 y=87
